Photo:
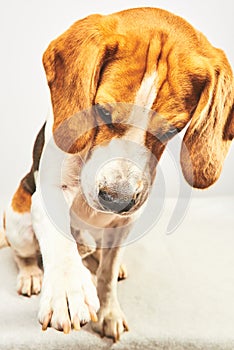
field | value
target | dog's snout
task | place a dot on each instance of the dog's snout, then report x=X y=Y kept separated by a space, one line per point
x=120 y=185
x=114 y=202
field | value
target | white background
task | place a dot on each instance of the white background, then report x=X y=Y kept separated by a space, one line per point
x=27 y=27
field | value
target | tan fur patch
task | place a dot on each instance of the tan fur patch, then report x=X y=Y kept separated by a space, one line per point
x=21 y=201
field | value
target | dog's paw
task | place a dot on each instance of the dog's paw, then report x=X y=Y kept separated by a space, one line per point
x=29 y=280
x=69 y=299
x=111 y=322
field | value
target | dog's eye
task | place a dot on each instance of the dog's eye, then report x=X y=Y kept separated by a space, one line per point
x=104 y=114
x=168 y=135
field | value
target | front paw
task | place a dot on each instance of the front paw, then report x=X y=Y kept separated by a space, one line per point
x=111 y=322
x=29 y=280
x=69 y=300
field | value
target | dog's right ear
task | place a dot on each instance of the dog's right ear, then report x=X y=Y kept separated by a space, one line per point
x=73 y=64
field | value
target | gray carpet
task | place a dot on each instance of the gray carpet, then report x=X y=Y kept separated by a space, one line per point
x=179 y=294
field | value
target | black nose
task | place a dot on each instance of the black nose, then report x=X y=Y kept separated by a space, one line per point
x=113 y=203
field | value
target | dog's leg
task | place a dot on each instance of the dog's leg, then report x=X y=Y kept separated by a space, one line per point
x=21 y=237
x=92 y=262
x=111 y=319
x=69 y=297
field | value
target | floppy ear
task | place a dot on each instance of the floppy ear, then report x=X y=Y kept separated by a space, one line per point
x=211 y=130
x=73 y=63
x=229 y=132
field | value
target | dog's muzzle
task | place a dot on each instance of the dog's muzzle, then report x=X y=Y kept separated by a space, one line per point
x=116 y=178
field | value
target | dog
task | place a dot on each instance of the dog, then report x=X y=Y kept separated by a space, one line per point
x=121 y=87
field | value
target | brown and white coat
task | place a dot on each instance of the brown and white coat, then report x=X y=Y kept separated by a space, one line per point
x=149 y=74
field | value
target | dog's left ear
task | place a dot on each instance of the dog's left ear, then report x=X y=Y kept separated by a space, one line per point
x=211 y=129
x=73 y=63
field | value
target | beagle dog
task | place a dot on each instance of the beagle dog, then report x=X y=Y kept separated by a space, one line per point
x=121 y=86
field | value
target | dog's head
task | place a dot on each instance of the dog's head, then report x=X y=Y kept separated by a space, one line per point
x=122 y=85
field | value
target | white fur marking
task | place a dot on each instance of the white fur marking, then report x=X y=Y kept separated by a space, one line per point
x=139 y=117
x=146 y=95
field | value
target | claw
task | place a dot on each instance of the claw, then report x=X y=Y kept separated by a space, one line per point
x=93 y=314
x=76 y=323
x=125 y=326
x=117 y=335
x=123 y=273
x=46 y=321
x=66 y=328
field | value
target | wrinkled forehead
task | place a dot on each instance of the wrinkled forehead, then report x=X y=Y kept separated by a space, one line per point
x=121 y=76
x=130 y=77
